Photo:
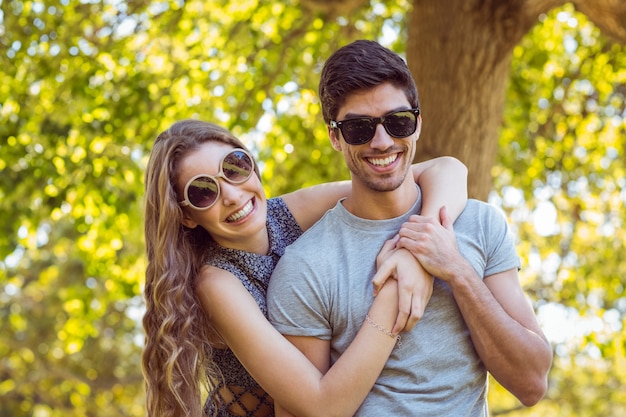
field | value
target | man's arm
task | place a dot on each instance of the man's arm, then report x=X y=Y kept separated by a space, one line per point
x=501 y=322
x=504 y=331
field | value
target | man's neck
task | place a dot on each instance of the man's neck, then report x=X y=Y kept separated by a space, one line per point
x=368 y=204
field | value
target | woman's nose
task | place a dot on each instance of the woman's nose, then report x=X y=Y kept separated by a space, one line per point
x=231 y=193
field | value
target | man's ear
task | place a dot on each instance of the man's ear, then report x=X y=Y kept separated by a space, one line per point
x=419 y=127
x=334 y=140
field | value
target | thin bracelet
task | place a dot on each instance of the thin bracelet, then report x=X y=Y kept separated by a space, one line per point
x=382 y=329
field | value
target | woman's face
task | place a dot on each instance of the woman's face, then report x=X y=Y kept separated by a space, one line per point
x=238 y=217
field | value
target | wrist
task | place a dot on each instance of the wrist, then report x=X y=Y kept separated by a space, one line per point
x=383 y=330
x=461 y=280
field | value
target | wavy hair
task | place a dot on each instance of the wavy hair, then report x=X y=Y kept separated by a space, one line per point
x=177 y=358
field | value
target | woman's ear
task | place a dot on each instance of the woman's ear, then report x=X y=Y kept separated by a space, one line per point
x=188 y=222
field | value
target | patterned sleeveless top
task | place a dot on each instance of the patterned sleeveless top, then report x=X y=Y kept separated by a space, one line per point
x=254 y=271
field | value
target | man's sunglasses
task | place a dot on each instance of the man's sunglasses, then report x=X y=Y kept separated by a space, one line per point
x=202 y=191
x=361 y=130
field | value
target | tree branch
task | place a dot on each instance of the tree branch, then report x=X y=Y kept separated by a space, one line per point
x=608 y=15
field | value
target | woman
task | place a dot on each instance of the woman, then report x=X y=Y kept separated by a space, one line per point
x=212 y=244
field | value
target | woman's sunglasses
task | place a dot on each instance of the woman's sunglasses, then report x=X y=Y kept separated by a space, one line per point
x=202 y=191
x=361 y=130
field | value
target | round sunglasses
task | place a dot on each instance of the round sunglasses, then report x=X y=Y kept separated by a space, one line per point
x=202 y=191
x=360 y=130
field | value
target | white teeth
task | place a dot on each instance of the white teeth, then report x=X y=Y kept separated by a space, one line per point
x=384 y=161
x=241 y=213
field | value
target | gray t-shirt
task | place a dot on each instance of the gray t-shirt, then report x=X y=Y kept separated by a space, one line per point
x=322 y=287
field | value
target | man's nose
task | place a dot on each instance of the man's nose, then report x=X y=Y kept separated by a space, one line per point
x=381 y=140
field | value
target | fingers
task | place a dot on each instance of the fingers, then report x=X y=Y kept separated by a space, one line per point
x=401 y=323
x=407 y=319
x=418 y=226
x=386 y=270
x=446 y=221
x=405 y=303
x=386 y=250
x=419 y=299
x=412 y=245
x=413 y=319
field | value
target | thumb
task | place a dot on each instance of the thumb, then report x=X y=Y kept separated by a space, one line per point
x=445 y=219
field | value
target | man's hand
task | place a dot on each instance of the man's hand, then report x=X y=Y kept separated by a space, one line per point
x=433 y=244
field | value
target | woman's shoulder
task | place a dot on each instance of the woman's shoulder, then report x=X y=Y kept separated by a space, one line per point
x=282 y=225
x=277 y=205
x=211 y=275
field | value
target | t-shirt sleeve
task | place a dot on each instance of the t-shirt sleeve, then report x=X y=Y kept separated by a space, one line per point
x=296 y=300
x=485 y=239
x=501 y=254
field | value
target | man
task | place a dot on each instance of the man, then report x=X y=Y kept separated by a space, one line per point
x=478 y=319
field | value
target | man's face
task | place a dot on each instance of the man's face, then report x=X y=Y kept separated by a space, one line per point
x=382 y=163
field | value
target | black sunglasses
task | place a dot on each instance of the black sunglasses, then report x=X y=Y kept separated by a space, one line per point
x=203 y=190
x=360 y=130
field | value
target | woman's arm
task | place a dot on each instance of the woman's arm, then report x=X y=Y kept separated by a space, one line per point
x=308 y=205
x=285 y=372
x=415 y=285
x=443 y=181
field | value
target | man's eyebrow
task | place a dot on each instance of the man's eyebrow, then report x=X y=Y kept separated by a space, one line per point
x=357 y=115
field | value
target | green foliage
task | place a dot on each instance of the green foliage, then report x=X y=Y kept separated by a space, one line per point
x=85 y=86
x=562 y=180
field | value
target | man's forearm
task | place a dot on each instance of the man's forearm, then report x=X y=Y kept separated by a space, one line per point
x=516 y=355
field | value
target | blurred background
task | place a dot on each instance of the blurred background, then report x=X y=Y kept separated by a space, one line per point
x=528 y=94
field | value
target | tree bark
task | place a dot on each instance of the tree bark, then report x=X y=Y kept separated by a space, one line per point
x=608 y=15
x=460 y=52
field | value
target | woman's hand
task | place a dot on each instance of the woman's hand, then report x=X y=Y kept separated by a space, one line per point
x=415 y=285
x=389 y=247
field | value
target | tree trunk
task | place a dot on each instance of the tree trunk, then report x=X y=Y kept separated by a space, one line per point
x=459 y=52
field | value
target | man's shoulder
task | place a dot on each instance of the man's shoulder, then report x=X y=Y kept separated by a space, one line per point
x=475 y=208
x=478 y=204
x=315 y=247
x=318 y=231
x=481 y=217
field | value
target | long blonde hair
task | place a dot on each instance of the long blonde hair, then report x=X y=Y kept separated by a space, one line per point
x=177 y=358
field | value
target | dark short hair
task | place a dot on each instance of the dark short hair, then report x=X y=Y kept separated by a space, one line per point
x=358 y=66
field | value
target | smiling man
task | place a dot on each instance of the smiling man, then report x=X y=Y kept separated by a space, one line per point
x=478 y=319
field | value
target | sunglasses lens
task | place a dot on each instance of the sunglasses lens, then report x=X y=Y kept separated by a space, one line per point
x=237 y=166
x=202 y=192
x=358 y=131
x=361 y=130
x=401 y=124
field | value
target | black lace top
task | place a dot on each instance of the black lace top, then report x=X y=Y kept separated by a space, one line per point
x=254 y=271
